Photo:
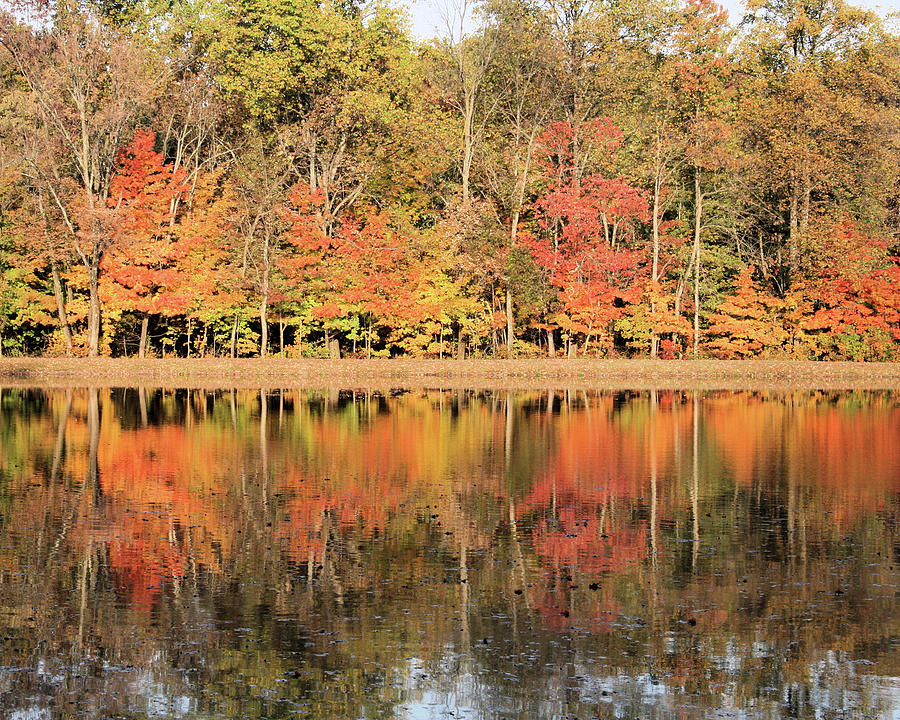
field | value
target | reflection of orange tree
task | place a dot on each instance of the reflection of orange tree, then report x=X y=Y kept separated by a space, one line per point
x=144 y=554
x=359 y=467
x=159 y=485
x=841 y=451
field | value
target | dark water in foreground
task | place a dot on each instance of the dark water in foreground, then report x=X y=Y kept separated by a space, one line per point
x=446 y=555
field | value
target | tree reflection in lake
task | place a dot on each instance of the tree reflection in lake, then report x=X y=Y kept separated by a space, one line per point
x=490 y=554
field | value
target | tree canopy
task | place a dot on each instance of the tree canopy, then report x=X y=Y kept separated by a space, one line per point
x=578 y=178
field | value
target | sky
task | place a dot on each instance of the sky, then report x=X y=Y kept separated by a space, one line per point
x=427 y=17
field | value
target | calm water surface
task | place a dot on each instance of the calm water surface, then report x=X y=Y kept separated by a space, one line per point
x=449 y=554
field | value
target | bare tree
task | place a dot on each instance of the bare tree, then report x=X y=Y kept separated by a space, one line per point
x=90 y=86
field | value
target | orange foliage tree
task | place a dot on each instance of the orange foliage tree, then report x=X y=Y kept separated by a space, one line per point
x=851 y=309
x=142 y=273
x=747 y=324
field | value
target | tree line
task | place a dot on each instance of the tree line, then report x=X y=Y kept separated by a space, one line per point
x=546 y=177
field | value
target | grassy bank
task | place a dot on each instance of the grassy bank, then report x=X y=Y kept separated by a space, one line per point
x=276 y=372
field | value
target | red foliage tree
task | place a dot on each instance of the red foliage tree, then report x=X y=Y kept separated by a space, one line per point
x=588 y=223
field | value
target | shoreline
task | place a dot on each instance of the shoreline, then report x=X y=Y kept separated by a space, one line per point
x=276 y=372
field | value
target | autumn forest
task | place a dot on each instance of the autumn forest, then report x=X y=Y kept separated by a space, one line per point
x=571 y=178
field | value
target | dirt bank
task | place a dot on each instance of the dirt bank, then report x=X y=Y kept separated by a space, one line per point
x=276 y=372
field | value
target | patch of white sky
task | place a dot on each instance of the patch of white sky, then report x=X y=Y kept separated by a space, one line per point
x=428 y=16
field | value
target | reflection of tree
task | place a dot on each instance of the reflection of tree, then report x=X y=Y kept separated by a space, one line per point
x=581 y=512
x=308 y=544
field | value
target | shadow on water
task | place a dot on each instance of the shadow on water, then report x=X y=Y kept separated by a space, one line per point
x=283 y=553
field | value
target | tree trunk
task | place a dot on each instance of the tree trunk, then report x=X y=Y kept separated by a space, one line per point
x=551 y=344
x=334 y=349
x=94 y=310
x=142 y=344
x=698 y=214
x=468 y=143
x=61 y=309
x=264 y=292
x=654 y=276
x=794 y=226
x=190 y=332
x=460 y=345
x=234 y=327
x=264 y=326
x=510 y=329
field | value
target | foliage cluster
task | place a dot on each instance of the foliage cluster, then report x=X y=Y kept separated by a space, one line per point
x=593 y=178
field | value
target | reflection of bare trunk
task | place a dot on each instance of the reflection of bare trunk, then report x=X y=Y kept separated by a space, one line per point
x=91 y=480
x=695 y=486
x=791 y=520
x=61 y=437
x=264 y=448
x=654 y=548
x=83 y=582
x=93 y=418
x=328 y=566
x=509 y=430
x=518 y=556
x=464 y=595
x=142 y=400
x=803 y=521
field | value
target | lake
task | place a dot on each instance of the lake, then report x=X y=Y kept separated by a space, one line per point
x=444 y=554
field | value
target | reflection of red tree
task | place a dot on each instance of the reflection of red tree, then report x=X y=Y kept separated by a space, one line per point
x=317 y=508
x=583 y=544
x=145 y=555
x=553 y=600
x=581 y=516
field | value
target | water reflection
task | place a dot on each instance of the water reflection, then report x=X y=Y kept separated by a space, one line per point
x=439 y=554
